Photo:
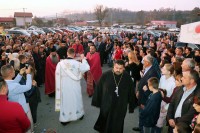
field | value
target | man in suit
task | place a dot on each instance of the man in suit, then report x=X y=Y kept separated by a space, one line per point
x=181 y=107
x=62 y=50
x=143 y=92
x=100 y=46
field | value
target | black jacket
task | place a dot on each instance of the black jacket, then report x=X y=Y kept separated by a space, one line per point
x=143 y=96
x=188 y=111
x=151 y=112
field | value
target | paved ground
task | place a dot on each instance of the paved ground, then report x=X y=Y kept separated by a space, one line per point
x=49 y=119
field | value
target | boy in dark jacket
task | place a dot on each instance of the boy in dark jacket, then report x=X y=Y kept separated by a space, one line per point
x=151 y=111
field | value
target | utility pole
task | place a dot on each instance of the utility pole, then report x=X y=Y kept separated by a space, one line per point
x=174 y=15
x=24 y=18
x=56 y=19
x=111 y=17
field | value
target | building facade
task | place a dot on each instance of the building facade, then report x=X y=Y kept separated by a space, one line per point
x=23 y=18
x=7 y=22
x=164 y=24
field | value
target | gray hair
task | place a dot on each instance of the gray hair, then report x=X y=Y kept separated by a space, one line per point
x=149 y=58
x=190 y=62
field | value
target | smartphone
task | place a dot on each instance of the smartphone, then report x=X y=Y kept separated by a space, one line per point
x=26 y=65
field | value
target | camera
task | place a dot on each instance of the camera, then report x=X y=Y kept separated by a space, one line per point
x=6 y=54
x=26 y=65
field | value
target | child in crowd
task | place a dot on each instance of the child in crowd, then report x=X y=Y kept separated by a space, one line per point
x=151 y=111
x=197 y=129
x=182 y=128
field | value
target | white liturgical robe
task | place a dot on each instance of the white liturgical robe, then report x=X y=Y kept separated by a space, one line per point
x=68 y=89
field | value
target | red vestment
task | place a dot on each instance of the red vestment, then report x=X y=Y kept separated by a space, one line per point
x=118 y=54
x=50 y=76
x=95 y=71
x=78 y=48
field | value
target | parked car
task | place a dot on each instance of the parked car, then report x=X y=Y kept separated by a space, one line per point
x=67 y=30
x=113 y=37
x=58 y=31
x=174 y=29
x=194 y=46
x=16 y=28
x=19 y=32
x=39 y=31
x=191 y=45
x=32 y=32
x=151 y=27
x=48 y=30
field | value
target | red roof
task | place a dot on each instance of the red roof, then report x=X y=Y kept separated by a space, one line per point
x=6 y=19
x=22 y=14
x=80 y=23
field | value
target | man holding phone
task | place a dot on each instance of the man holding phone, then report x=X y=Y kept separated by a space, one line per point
x=15 y=90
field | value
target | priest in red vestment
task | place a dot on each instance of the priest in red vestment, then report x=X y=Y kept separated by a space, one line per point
x=95 y=72
x=51 y=63
x=78 y=48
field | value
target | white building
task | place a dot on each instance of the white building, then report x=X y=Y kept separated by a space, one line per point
x=164 y=24
x=23 y=18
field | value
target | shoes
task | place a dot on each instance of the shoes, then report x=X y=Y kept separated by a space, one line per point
x=81 y=118
x=64 y=123
x=90 y=96
x=136 y=129
x=51 y=95
x=36 y=124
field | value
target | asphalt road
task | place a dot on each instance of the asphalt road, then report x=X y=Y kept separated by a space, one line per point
x=49 y=119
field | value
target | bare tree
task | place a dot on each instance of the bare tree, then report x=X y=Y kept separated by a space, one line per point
x=38 y=21
x=100 y=12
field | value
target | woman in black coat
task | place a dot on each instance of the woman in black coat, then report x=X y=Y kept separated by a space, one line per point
x=133 y=67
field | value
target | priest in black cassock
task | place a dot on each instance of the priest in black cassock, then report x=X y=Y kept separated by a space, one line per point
x=114 y=92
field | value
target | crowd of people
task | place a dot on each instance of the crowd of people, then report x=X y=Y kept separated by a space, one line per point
x=148 y=72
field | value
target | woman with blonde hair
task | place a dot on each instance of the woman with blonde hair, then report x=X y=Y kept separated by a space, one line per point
x=167 y=85
x=133 y=67
x=14 y=61
x=133 y=57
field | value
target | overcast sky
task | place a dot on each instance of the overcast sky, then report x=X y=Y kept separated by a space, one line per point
x=42 y=8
